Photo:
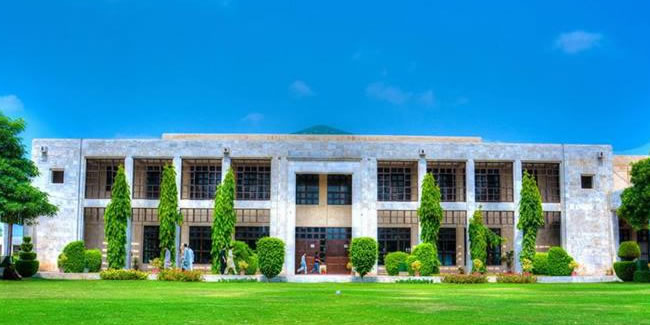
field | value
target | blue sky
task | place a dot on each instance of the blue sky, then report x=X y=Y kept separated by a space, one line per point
x=508 y=71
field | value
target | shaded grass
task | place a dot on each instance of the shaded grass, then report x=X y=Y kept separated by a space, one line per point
x=153 y=302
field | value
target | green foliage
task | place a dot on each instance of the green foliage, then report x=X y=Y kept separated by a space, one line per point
x=635 y=200
x=241 y=252
x=642 y=265
x=464 y=278
x=93 y=260
x=168 y=212
x=121 y=274
x=531 y=216
x=516 y=278
x=430 y=211
x=270 y=253
x=116 y=217
x=526 y=265
x=428 y=256
x=74 y=259
x=393 y=261
x=27 y=265
x=639 y=276
x=559 y=262
x=478 y=266
x=540 y=264
x=415 y=281
x=223 y=225
x=363 y=254
x=625 y=270
x=480 y=238
x=175 y=274
x=629 y=251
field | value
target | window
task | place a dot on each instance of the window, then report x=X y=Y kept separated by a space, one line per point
x=57 y=177
x=253 y=179
x=201 y=243
x=200 y=179
x=100 y=175
x=393 y=240
x=493 y=182
x=450 y=177
x=494 y=252
x=148 y=174
x=307 y=189
x=587 y=181
x=547 y=177
x=151 y=243
x=447 y=246
x=395 y=181
x=250 y=235
x=339 y=189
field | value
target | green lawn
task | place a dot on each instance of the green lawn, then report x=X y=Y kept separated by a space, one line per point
x=154 y=302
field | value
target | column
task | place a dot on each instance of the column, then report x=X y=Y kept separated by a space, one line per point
x=81 y=195
x=518 y=235
x=471 y=207
x=225 y=165
x=178 y=168
x=128 y=170
x=6 y=242
x=422 y=171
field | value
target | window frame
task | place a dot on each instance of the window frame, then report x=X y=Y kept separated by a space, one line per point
x=307 y=189
x=149 y=241
x=252 y=180
x=201 y=245
x=55 y=178
x=339 y=189
x=447 y=245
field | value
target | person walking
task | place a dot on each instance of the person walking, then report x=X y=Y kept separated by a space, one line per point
x=230 y=263
x=188 y=258
x=316 y=268
x=303 y=264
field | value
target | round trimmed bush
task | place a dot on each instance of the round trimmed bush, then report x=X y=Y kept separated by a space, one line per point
x=393 y=261
x=625 y=270
x=641 y=276
x=363 y=254
x=93 y=260
x=75 y=253
x=270 y=253
x=540 y=264
x=629 y=251
x=558 y=262
x=26 y=265
x=428 y=256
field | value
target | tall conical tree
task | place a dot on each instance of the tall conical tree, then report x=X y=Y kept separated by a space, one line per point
x=531 y=216
x=480 y=238
x=430 y=211
x=168 y=213
x=223 y=225
x=116 y=218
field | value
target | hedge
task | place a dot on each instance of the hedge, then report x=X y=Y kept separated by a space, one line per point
x=629 y=251
x=93 y=260
x=363 y=254
x=74 y=260
x=625 y=270
x=428 y=256
x=641 y=276
x=270 y=254
x=113 y=274
x=180 y=275
x=516 y=278
x=464 y=278
x=394 y=261
x=540 y=264
x=558 y=262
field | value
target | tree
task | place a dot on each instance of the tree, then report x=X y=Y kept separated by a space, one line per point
x=531 y=216
x=480 y=238
x=635 y=200
x=116 y=218
x=430 y=210
x=363 y=254
x=224 y=221
x=168 y=213
x=20 y=202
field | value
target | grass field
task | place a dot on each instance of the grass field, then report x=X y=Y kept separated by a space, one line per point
x=153 y=302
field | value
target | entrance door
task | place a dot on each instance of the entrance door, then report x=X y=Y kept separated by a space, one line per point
x=331 y=245
x=309 y=241
x=338 y=242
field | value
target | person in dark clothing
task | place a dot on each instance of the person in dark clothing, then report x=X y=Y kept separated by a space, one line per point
x=223 y=261
x=317 y=261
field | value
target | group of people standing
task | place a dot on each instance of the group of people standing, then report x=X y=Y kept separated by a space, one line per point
x=187 y=258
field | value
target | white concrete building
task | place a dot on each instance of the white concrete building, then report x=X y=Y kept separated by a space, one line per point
x=316 y=192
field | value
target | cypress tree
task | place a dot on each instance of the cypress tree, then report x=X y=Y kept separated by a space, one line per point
x=430 y=210
x=168 y=213
x=116 y=216
x=223 y=225
x=531 y=216
x=480 y=238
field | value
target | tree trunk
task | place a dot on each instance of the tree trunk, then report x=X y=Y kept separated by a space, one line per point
x=10 y=234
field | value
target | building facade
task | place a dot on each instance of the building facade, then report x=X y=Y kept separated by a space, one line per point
x=316 y=192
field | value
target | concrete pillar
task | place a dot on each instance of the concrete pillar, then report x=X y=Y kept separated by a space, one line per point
x=471 y=207
x=81 y=195
x=422 y=171
x=518 y=235
x=225 y=165
x=6 y=241
x=178 y=168
x=128 y=170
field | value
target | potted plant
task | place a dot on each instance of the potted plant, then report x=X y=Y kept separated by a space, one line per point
x=574 y=266
x=156 y=265
x=416 y=266
x=477 y=266
x=242 y=267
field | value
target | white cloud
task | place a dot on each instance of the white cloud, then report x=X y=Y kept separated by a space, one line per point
x=253 y=118
x=577 y=41
x=10 y=103
x=300 y=89
x=398 y=96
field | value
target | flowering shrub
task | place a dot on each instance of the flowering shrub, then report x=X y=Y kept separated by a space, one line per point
x=120 y=274
x=464 y=278
x=180 y=275
x=516 y=278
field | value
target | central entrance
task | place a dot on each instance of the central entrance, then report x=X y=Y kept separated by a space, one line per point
x=330 y=244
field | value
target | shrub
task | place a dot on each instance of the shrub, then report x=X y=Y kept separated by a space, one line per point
x=363 y=254
x=415 y=281
x=270 y=253
x=27 y=265
x=625 y=270
x=93 y=260
x=237 y=280
x=120 y=274
x=516 y=278
x=393 y=261
x=253 y=264
x=464 y=278
x=428 y=256
x=558 y=262
x=241 y=252
x=75 y=257
x=540 y=264
x=642 y=265
x=478 y=267
x=180 y=275
x=641 y=276
x=629 y=251
x=526 y=265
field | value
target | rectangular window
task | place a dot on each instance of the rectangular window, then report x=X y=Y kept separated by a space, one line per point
x=57 y=177
x=250 y=235
x=100 y=175
x=493 y=182
x=547 y=177
x=447 y=246
x=253 y=179
x=393 y=240
x=494 y=252
x=395 y=181
x=200 y=178
x=587 y=181
x=201 y=243
x=307 y=189
x=151 y=243
x=450 y=177
x=339 y=189
x=148 y=175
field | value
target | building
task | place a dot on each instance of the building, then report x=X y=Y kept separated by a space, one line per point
x=317 y=191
